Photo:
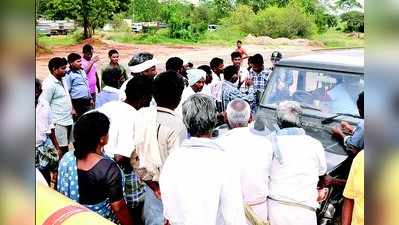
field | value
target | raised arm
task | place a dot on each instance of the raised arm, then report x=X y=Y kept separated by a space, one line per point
x=91 y=63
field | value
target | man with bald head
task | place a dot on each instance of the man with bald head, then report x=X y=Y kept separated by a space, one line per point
x=199 y=182
x=298 y=165
x=252 y=152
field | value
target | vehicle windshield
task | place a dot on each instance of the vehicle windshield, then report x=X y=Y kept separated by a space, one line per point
x=320 y=91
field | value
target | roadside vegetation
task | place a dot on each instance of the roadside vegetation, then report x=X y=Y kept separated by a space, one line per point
x=58 y=40
x=338 y=39
x=188 y=23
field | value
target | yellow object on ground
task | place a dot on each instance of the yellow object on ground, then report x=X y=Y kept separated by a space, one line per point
x=53 y=208
x=252 y=218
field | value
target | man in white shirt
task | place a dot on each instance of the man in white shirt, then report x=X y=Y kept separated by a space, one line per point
x=45 y=136
x=162 y=130
x=243 y=73
x=217 y=67
x=196 y=82
x=208 y=79
x=252 y=153
x=199 y=183
x=124 y=116
x=298 y=162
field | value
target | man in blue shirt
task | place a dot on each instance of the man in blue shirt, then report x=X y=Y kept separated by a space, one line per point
x=112 y=79
x=78 y=86
x=352 y=138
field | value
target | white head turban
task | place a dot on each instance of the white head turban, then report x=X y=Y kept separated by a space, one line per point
x=194 y=75
x=143 y=66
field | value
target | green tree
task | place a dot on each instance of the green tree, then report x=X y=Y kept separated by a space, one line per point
x=348 y=4
x=239 y=19
x=314 y=10
x=144 y=11
x=354 y=21
x=258 y=5
x=223 y=7
x=176 y=15
x=200 y=18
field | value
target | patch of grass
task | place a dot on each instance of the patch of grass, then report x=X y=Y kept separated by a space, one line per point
x=40 y=49
x=159 y=37
x=219 y=37
x=57 y=40
x=338 y=39
x=222 y=37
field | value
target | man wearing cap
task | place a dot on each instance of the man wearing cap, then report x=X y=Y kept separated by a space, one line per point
x=196 y=82
x=124 y=116
x=252 y=153
x=275 y=58
x=142 y=63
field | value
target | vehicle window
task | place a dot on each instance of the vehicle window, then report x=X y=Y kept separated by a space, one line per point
x=329 y=92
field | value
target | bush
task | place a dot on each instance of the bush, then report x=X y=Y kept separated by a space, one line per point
x=337 y=39
x=325 y=21
x=354 y=21
x=239 y=19
x=223 y=36
x=118 y=24
x=277 y=22
x=78 y=36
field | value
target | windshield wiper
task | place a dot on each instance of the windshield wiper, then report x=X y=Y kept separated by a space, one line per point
x=302 y=106
x=310 y=107
x=331 y=119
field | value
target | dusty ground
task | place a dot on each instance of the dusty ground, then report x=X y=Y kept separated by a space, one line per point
x=197 y=54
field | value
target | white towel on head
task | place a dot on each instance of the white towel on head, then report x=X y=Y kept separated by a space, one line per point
x=143 y=66
x=194 y=75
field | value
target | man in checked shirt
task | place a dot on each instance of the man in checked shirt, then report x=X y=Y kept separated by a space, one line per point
x=259 y=76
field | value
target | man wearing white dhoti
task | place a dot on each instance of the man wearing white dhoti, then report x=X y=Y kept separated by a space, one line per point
x=298 y=162
x=252 y=153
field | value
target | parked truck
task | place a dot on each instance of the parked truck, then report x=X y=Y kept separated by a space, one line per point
x=54 y=27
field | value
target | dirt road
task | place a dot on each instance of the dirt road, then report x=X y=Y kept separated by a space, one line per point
x=197 y=54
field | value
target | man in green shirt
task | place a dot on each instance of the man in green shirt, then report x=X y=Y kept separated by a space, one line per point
x=113 y=55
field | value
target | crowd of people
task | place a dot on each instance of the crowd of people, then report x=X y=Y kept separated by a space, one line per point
x=139 y=147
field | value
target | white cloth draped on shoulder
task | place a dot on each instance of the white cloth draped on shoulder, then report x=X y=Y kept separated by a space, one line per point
x=146 y=142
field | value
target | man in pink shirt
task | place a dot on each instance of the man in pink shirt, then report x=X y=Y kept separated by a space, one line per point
x=89 y=66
